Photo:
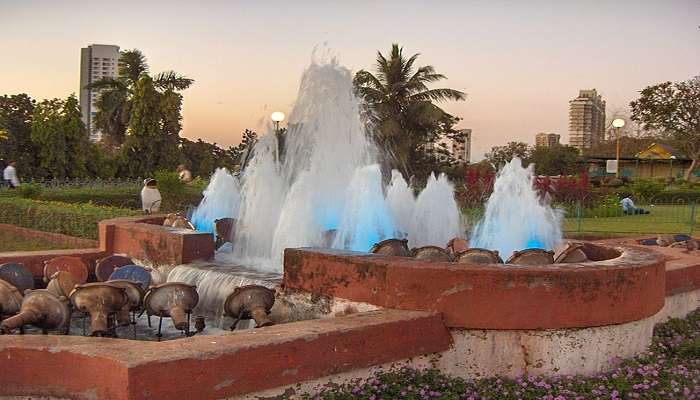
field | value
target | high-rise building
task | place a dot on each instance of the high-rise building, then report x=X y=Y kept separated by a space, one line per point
x=586 y=120
x=546 y=139
x=462 y=146
x=97 y=61
x=456 y=146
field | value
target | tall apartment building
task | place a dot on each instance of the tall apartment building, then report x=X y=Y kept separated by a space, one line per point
x=546 y=139
x=97 y=61
x=586 y=120
x=458 y=146
x=462 y=146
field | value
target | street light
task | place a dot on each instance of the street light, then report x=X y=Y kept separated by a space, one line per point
x=671 y=161
x=277 y=117
x=617 y=124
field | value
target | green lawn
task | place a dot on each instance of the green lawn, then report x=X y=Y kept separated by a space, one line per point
x=11 y=241
x=662 y=219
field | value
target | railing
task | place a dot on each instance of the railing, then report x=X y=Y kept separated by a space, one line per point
x=662 y=217
x=671 y=217
x=88 y=182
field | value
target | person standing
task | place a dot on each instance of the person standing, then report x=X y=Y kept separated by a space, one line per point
x=9 y=175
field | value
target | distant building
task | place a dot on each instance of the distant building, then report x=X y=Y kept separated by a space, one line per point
x=97 y=61
x=457 y=147
x=657 y=161
x=586 y=120
x=462 y=146
x=546 y=139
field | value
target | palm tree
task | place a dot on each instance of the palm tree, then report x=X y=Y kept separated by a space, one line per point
x=400 y=107
x=114 y=103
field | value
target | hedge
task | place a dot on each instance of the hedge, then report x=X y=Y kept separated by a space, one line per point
x=677 y=196
x=78 y=220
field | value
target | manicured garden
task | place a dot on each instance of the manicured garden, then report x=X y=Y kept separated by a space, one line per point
x=10 y=241
x=669 y=370
x=76 y=208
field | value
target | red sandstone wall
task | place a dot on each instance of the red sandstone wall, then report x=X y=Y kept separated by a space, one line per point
x=628 y=288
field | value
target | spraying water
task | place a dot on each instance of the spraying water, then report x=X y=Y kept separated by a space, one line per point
x=436 y=217
x=325 y=189
x=516 y=218
x=401 y=202
x=222 y=199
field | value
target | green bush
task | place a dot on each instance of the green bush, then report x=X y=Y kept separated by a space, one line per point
x=30 y=190
x=78 y=220
x=678 y=197
x=647 y=189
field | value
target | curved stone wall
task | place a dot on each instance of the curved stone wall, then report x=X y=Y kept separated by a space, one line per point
x=630 y=286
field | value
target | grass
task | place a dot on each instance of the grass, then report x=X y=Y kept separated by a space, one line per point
x=670 y=369
x=11 y=241
x=662 y=219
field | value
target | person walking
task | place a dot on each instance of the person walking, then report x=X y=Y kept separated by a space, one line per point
x=9 y=175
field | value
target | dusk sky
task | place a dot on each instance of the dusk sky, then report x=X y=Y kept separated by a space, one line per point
x=520 y=62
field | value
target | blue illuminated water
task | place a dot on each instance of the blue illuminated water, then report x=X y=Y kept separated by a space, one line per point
x=516 y=218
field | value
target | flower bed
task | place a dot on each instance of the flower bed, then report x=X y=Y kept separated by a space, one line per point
x=669 y=370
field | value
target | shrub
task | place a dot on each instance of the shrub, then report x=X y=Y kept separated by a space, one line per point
x=647 y=189
x=71 y=219
x=30 y=190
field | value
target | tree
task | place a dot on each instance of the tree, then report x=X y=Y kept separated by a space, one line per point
x=555 y=160
x=16 y=113
x=60 y=138
x=77 y=139
x=115 y=102
x=47 y=136
x=501 y=155
x=148 y=147
x=673 y=109
x=400 y=107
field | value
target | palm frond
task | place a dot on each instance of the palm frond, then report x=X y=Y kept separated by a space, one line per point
x=106 y=83
x=132 y=63
x=172 y=80
x=439 y=95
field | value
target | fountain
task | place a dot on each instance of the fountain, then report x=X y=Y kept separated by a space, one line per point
x=326 y=188
x=516 y=218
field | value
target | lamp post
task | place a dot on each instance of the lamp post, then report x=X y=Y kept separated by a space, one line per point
x=617 y=124
x=277 y=117
x=671 y=162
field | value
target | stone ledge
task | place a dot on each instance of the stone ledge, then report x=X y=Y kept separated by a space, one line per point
x=144 y=238
x=628 y=288
x=67 y=241
x=218 y=366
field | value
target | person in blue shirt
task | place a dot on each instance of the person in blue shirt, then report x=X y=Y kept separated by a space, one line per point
x=629 y=208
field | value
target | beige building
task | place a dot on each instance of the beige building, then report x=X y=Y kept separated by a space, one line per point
x=97 y=61
x=546 y=139
x=462 y=146
x=586 y=120
x=457 y=146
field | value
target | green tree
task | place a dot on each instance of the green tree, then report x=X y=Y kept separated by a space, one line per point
x=77 y=140
x=401 y=108
x=555 y=160
x=47 y=136
x=673 y=109
x=500 y=155
x=148 y=147
x=114 y=105
x=16 y=113
x=60 y=138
